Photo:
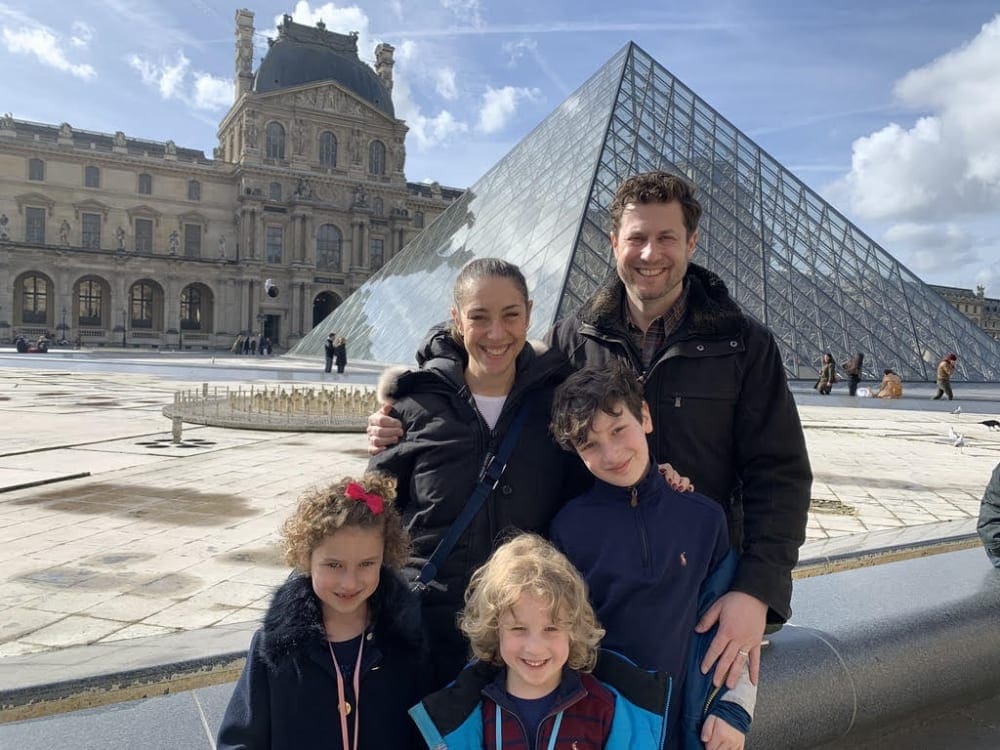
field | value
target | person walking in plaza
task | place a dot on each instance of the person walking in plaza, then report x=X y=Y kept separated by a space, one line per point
x=945 y=369
x=827 y=375
x=340 y=354
x=329 y=350
x=340 y=657
x=237 y=347
x=715 y=383
x=852 y=368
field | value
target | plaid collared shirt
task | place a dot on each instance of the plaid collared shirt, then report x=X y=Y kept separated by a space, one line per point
x=650 y=342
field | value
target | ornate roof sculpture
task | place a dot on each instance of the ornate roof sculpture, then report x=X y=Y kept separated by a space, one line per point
x=789 y=258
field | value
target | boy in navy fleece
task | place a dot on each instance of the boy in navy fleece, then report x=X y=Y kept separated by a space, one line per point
x=654 y=559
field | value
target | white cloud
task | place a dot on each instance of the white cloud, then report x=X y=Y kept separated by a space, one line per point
x=932 y=248
x=469 y=11
x=45 y=45
x=500 y=105
x=948 y=162
x=82 y=34
x=174 y=80
x=445 y=78
x=516 y=50
x=426 y=131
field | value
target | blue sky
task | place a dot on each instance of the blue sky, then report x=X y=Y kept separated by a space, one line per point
x=889 y=109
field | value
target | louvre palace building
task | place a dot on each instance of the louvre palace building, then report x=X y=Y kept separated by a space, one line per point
x=108 y=239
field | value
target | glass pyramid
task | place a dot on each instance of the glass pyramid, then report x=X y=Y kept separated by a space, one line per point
x=789 y=258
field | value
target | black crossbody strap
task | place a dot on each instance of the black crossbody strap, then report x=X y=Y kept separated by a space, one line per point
x=489 y=475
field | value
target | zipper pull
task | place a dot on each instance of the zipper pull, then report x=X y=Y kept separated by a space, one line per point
x=677 y=402
x=635 y=498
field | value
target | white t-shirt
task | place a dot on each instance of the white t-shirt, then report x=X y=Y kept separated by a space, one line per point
x=490 y=407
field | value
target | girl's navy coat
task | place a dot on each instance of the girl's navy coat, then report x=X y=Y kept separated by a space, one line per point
x=287 y=694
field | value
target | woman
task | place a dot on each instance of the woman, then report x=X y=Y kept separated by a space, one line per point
x=474 y=378
x=891 y=387
x=340 y=354
x=827 y=375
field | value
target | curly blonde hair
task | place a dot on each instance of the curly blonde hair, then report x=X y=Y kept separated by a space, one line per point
x=527 y=564
x=323 y=510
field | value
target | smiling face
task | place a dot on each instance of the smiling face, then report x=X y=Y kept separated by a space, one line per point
x=492 y=320
x=652 y=250
x=615 y=449
x=344 y=568
x=533 y=647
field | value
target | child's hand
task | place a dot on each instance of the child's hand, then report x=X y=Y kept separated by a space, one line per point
x=675 y=480
x=718 y=735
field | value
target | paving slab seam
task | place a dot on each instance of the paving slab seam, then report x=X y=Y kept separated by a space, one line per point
x=40 y=482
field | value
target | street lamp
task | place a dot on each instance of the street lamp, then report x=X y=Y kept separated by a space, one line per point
x=62 y=326
x=124 y=326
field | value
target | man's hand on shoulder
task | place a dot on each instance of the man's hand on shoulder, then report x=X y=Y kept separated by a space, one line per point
x=383 y=430
x=741 y=619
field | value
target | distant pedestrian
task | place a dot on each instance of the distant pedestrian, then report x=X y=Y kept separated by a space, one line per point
x=246 y=344
x=852 y=368
x=262 y=345
x=253 y=344
x=945 y=369
x=989 y=518
x=892 y=385
x=827 y=375
x=237 y=347
x=340 y=656
x=270 y=346
x=330 y=349
x=340 y=354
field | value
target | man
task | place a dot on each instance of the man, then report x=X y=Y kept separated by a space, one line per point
x=330 y=348
x=721 y=409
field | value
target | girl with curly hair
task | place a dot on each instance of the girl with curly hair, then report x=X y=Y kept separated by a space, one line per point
x=340 y=656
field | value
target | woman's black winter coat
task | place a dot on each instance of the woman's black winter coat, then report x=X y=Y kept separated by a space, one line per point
x=438 y=461
x=286 y=698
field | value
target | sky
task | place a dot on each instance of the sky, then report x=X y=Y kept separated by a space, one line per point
x=890 y=109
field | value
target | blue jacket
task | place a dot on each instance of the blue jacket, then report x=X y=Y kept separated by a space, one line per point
x=453 y=718
x=661 y=558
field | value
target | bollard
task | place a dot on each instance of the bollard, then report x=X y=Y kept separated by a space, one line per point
x=204 y=389
x=177 y=428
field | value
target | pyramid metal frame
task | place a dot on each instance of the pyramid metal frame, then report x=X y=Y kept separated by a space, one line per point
x=788 y=257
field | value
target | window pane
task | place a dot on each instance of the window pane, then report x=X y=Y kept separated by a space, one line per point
x=378 y=207
x=418 y=219
x=274 y=141
x=274 y=192
x=141 y=303
x=91 y=230
x=91 y=177
x=194 y=190
x=146 y=184
x=377 y=254
x=328 y=149
x=34 y=300
x=191 y=309
x=376 y=157
x=91 y=299
x=36 y=169
x=273 y=243
x=144 y=235
x=328 y=242
x=192 y=240
x=34 y=225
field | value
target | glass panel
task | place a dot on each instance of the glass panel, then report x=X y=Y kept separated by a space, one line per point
x=91 y=300
x=274 y=236
x=34 y=225
x=328 y=242
x=145 y=184
x=328 y=149
x=34 y=300
x=192 y=240
x=91 y=177
x=91 y=230
x=36 y=169
x=194 y=190
x=376 y=253
x=144 y=235
x=141 y=304
x=274 y=141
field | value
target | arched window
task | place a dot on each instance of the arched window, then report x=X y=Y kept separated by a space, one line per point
x=191 y=309
x=274 y=191
x=328 y=243
x=378 y=207
x=141 y=304
x=34 y=299
x=91 y=299
x=328 y=149
x=274 y=141
x=376 y=157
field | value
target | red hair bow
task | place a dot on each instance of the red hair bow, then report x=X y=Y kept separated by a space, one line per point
x=375 y=503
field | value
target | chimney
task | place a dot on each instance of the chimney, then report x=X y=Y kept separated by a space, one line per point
x=383 y=63
x=244 y=52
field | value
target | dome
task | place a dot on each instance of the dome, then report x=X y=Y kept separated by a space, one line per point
x=302 y=55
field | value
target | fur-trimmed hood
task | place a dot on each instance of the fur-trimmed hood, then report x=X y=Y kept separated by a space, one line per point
x=711 y=311
x=442 y=359
x=295 y=617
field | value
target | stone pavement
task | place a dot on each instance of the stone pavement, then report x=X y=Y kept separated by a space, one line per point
x=155 y=539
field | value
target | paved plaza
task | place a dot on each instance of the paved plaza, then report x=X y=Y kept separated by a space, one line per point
x=109 y=533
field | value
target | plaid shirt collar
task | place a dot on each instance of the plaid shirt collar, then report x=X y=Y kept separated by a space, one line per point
x=650 y=342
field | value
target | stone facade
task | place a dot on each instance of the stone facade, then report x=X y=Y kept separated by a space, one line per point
x=976 y=306
x=109 y=239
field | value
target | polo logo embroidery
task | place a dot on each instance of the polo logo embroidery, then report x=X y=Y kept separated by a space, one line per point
x=684 y=559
